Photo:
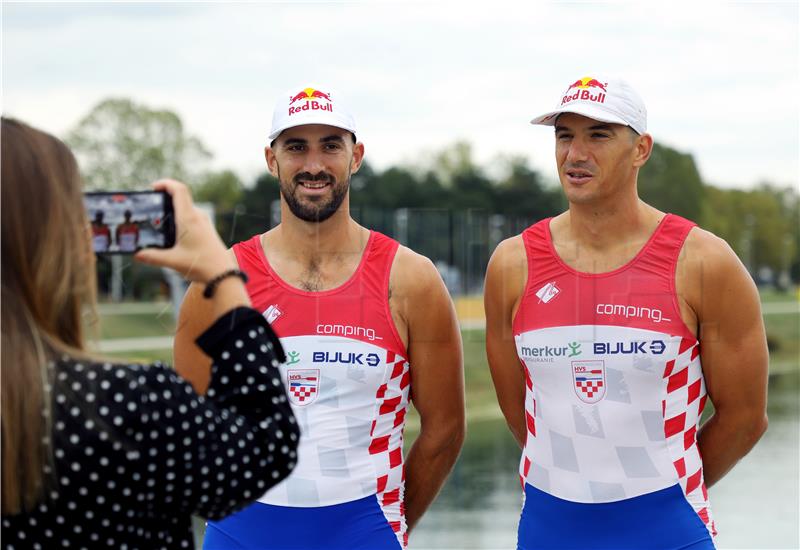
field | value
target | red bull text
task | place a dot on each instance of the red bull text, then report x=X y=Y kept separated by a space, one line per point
x=583 y=92
x=584 y=95
x=311 y=106
x=310 y=95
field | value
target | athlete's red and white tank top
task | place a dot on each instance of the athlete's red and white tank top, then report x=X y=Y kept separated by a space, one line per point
x=614 y=383
x=347 y=378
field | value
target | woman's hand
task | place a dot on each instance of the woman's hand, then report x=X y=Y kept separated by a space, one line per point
x=199 y=254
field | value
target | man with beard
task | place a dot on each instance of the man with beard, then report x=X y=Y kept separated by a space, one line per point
x=368 y=327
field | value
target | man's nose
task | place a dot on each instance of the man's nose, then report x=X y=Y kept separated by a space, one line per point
x=577 y=151
x=314 y=163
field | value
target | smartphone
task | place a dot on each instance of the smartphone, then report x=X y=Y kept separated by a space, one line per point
x=126 y=221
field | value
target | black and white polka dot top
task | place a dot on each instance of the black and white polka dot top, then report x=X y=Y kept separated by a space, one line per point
x=137 y=451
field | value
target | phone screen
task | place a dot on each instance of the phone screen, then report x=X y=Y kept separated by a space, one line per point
x=126 y=221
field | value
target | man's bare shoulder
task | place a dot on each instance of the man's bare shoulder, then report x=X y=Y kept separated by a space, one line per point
x=709 y=254
x=510 y=253
x=710 y=276
x=413 y=273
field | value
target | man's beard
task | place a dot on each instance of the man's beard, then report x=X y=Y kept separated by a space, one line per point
x=314 y=211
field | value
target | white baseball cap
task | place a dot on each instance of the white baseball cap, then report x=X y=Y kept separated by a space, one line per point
x=310 y=105
x=607 y=100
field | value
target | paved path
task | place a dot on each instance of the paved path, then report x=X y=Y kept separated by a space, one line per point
x=134 y=344
x=778 y=308
x=130 y=308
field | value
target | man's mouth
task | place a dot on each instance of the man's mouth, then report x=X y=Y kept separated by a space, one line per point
x=578 y=175
x=314 y=184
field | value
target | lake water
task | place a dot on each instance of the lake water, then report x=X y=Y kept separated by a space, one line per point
x=756 y=506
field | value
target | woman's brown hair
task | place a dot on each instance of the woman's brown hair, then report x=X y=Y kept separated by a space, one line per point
x=48 y=278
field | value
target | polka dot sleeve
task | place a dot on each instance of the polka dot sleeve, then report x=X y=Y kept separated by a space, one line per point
x=224 y=450
x=136 y=451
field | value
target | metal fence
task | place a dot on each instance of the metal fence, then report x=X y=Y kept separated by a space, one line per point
x=458 y=242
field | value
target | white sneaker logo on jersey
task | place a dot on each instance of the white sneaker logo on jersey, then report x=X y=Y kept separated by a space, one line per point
x=547 y=292
x=272 y=313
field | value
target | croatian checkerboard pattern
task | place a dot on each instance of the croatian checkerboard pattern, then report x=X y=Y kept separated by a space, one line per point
x=386 y=447
x=682 y=407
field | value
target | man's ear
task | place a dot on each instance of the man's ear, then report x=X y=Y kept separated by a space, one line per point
x=272 y=161
x=644 y=148
x=358 y=157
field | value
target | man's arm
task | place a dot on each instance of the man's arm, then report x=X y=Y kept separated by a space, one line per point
x=437 y=377
x=505 y=282
x=733 y=350
x=195 y=316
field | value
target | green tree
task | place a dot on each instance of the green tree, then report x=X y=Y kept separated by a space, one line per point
x=121 y=145
x=523 y=194
x=124 y=145
x=254 y=214
x=455 y=160
x=671 y=182
x=761 y=225
x=223 y=189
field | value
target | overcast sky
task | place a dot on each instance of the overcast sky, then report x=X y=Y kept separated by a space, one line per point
x=720 y=80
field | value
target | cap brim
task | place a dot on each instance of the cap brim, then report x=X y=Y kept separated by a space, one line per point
x=590 y=111
x=344 y=125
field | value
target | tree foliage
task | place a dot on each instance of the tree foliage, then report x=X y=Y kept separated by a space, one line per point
x=223 y=189
x=671 y=182
x=447 y=207
x=124 y=145
x=761 y=225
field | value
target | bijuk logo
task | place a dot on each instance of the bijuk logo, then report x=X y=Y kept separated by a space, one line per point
x=656 y=347
x=351 y=358
x=315 y=100
x=583 y=91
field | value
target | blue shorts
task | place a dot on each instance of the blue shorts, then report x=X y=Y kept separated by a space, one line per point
x=662 y=520
x=356 y=525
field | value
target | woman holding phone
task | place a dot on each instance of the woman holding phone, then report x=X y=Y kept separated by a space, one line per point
x=100 y=454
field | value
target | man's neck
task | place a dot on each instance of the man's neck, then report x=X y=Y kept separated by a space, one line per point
x=606 y=226
x=339 y=234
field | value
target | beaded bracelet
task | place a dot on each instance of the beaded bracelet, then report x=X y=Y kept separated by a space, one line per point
x=211 y=286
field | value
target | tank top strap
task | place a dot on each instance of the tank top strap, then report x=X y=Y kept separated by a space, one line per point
x=543 y=266
x=537 y=242
x=376 y=269
x=661 y=255
x=251 y=260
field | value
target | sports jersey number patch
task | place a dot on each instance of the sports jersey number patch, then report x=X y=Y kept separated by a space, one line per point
x=589 y=380
x=303 y=386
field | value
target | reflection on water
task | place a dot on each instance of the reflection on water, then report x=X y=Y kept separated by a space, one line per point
x=756 y=506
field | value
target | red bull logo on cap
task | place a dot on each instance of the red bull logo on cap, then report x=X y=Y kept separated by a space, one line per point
x=312 y=101
x=583 y=91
